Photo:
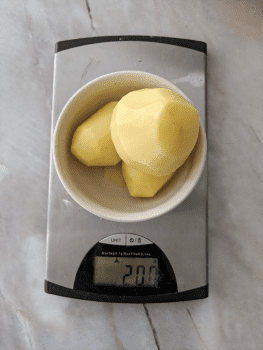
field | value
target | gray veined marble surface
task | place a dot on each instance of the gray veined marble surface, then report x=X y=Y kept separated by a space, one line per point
x=232 y=316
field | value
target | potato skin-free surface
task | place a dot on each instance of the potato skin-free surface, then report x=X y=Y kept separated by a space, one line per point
x=92 y=143
x=154 y=130
x=141 y=184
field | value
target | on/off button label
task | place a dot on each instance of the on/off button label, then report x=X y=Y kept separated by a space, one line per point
x=132 y=240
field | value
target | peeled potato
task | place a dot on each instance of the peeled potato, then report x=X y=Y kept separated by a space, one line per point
x=92 y=143
x=154 y=130
x=141 y=184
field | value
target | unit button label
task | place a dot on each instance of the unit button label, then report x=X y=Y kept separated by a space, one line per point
x=132 y=240
x=118 y=239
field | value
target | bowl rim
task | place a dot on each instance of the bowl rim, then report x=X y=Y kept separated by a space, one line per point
x=128 y=218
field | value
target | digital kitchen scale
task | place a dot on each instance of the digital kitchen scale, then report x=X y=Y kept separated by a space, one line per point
x=159 y=260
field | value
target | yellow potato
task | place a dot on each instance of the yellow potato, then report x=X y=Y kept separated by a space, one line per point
x=92 y=143
x=141 y=184
x=154 y=130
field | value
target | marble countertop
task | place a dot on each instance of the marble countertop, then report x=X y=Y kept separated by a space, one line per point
x=232 y=316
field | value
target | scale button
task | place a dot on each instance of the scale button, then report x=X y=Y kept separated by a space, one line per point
x=136 y=240
x=118 y=239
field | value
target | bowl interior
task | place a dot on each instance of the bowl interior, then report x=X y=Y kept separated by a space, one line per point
x=103 y=192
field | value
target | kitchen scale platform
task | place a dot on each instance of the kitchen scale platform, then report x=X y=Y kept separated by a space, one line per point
x=160 y=260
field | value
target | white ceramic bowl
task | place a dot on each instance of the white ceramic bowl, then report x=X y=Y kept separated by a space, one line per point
x=87 y=185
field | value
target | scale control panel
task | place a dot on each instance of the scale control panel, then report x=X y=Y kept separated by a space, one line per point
x=125 y=264
x=127 y=239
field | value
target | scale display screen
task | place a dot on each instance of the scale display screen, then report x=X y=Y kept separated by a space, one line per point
x=126 y=272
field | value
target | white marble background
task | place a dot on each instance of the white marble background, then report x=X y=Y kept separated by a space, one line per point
x=232 y=316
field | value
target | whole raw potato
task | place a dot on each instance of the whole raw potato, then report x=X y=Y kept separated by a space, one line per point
x=141 y=184
x=154 y=130
x=91 y=142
